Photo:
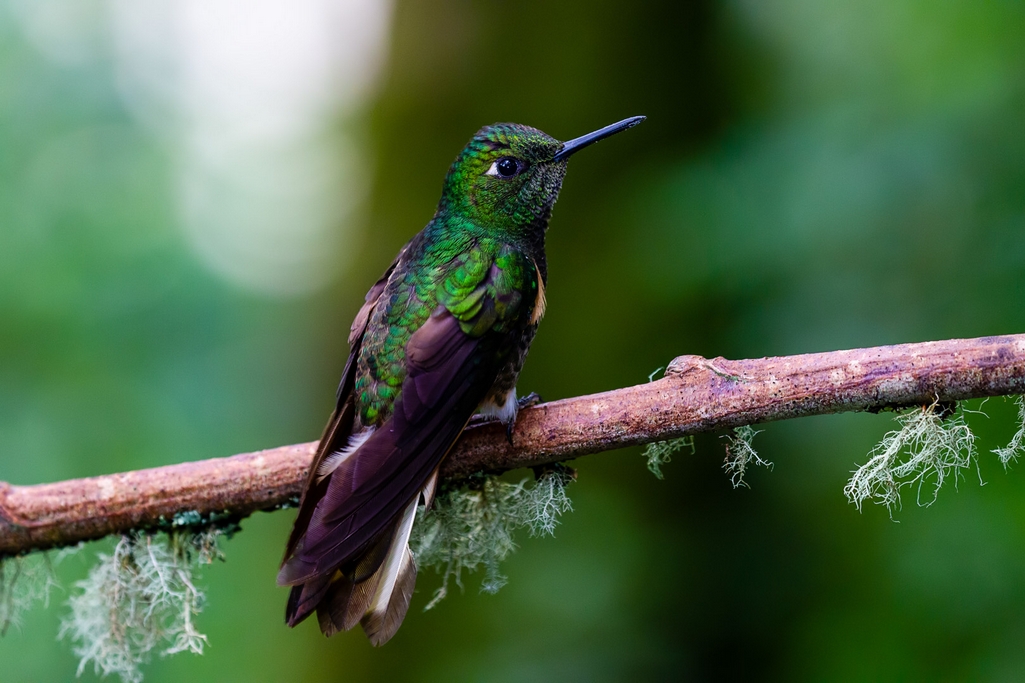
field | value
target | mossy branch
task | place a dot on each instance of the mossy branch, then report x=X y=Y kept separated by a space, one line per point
x=695 y=395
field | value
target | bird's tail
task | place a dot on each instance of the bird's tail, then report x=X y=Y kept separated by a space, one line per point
x=374 y=592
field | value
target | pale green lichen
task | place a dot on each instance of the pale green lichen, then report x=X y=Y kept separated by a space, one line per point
x=26 y=581
x=1013 y=450
x=140 y=598
x=740 y=453
x=472 y=528
x=926 y=449
x=659 y=453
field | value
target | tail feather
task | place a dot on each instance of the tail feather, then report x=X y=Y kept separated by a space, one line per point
x=429 y=489
x=359 y=603
x=375 y=590
x=304 y=598
x=345 y=604
x=328 y=615
x=383 y=621
x=381 y=625
x=398 y=568
x=337 y=595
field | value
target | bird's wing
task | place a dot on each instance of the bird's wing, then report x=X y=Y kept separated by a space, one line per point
x=452 y=360
x=339 y=426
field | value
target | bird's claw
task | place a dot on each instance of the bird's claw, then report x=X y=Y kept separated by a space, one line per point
x=528 y=401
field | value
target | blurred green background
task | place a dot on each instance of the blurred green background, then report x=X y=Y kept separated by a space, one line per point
x=194 y=197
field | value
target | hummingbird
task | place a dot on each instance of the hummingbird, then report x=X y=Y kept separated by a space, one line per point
x=442 y=336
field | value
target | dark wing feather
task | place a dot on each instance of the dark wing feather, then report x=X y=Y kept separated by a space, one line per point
x=339 y=427
x=449 y=373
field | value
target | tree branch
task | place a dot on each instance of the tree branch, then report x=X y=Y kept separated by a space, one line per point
x=696 y=395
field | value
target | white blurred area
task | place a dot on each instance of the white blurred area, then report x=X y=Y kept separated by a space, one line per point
x=258 y=103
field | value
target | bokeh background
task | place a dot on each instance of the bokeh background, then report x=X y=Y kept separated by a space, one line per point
x=195 y=195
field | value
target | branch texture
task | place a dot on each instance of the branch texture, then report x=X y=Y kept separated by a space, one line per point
x=695 y=395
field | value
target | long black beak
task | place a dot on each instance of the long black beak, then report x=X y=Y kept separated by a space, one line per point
x=576 y=144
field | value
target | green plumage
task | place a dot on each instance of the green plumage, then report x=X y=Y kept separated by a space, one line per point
x=443 y=334
x=476 y=258
x=488 y=286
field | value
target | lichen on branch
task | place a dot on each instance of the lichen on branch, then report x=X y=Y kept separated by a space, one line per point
x=1013 y=450
x=659 y=453
x=928 y=447
x=140 y=598
x=26 y=581
x=740 y=453
x=472 y=528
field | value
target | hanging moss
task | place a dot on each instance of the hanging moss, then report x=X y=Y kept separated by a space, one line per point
x=1013 y=450
x=740 y=453
x=26 y=581
x=472 y=528
x=138 y=599
x=659 y=453
x=928 y=447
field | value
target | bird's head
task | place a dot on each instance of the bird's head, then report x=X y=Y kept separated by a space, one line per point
x=509 y=175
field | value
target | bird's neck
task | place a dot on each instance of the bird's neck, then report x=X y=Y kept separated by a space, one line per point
x=528 y=238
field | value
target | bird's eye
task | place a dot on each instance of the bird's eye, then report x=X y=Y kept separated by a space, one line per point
x=505 y=167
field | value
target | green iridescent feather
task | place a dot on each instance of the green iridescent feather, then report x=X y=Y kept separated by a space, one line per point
x=488 y=287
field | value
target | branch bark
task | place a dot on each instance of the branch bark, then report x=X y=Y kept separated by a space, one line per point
x=695 y=395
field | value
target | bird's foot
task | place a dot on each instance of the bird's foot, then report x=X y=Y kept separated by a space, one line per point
x=479 y=420
x=528 y=401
